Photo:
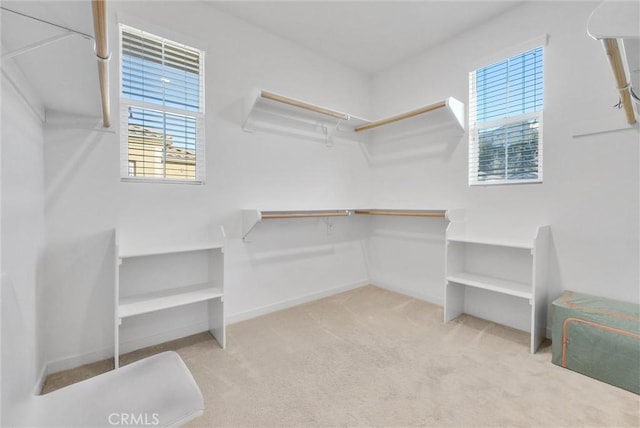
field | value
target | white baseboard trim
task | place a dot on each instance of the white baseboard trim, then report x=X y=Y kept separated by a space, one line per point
x=78 y=360
x=125 y=346
x=411 y=293
x=165 y=336
x=263 y=310
x=161 y=337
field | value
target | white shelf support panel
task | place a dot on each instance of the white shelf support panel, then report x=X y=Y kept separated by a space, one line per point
x=449 y=111
x=493 y=263
x=540 y=299
x=169 y=289
x=251 y=217
x=269 y=111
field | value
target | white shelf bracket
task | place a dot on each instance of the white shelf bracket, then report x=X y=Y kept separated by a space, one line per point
x=329 y=132
x=223 y=234
x=327 y=221
x=37 y=45
x=328 y=138
x=249 y=219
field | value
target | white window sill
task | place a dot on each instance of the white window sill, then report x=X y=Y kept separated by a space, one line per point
x=159 y=180
x=506 y=182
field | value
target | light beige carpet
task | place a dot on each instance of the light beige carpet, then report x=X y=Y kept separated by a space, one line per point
x=371 y=357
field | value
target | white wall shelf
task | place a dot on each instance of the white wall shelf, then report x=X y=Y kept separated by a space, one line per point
x=498 y=285
x=165 y=299
x=515 y=267
x=401 y=213
x=445 y=113
x=159 y=250
x=615 y=25
x=251 y=217
x=152 y=278
x=269 y=111
x=492 y=240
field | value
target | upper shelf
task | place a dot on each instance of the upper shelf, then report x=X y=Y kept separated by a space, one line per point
x=526 y=244
x=141 y=248
x=447 y=112
x=268 y=110
x=615 y=24
x=252 y=217
x=615 y=20
x=159 y=250
x=278 y=113
x=457 y=231
x=402 y=213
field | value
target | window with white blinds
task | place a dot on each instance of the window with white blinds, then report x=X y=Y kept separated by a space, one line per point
x=505 y=120
x=162 y=108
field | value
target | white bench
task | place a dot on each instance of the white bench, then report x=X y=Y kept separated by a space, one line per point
x=158 y=391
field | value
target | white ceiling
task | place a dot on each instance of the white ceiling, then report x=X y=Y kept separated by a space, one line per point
x=366 y=35
x=369 y=36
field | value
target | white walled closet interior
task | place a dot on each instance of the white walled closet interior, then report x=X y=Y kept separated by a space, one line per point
x=71 y=198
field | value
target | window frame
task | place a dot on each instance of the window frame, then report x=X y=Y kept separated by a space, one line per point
x=475 y=128
x=125 y=103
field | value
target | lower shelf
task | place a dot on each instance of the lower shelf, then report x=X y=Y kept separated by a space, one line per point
x=511 y=288
x=165 y=299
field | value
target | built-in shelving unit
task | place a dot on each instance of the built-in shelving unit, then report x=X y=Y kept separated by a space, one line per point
x=266 y=110
x=154 y=278
x=508 y=266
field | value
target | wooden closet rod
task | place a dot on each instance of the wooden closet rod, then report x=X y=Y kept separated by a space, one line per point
x=402 y=213
x=303 y=214
x=306 y=106
x=401 y=116
x=103 y=56
x=614 y=53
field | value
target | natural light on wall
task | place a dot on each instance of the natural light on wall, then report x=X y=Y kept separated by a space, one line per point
x=162 y=108
x=505 y=120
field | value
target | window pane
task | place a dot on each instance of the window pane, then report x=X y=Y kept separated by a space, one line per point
x=508 y=152
x=161 y=107
x=161 y=145
x=161 y=72
x=511 y=87
x=505 y=119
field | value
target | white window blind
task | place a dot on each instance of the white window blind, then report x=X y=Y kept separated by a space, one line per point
x=162 y=108
x=505 y=120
